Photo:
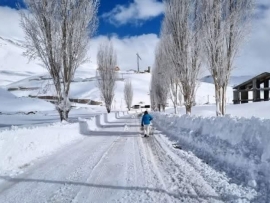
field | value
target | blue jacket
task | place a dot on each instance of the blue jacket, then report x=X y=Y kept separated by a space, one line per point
x=146 y=119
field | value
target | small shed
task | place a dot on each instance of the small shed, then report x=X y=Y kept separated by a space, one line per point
x=256 y=85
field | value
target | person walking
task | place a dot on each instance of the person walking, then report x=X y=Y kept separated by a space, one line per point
x=146 y=120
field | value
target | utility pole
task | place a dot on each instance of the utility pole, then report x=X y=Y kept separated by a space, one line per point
x=138 y=62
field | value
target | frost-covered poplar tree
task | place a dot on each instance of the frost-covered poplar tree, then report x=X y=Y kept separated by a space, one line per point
x=182 y=28
x=128 y=93
x=159 y=82
x=170 y=73
x=153 y=99
x=58 y=33
x=226 y=26
x=107 y=61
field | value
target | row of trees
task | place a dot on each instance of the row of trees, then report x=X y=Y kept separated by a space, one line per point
x=107 y=61
x=194 y=34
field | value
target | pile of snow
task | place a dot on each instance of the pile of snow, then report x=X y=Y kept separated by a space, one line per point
x=9 y=103
x=239 y=146
x=19 y=147
x=87 y=125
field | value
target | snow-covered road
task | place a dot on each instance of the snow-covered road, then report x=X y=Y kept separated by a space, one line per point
x=116 y=164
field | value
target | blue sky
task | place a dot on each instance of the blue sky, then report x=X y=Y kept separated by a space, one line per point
x=133 y=26
x=106 y=27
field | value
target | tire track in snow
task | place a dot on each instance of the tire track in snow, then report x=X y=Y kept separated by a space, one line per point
x=180 y=179
x=160 y=184
x=109 y=176
x=67 y=193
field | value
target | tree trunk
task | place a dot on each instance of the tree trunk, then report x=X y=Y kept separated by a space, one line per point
x=175 y=109
x=63 y=114
x=223 y=107
x=188 y=109
x=66 y=115
x=60 y=111
x=217 y=94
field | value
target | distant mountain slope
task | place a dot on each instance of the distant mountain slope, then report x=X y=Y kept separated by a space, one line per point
x=84 y=86
x=235 y=80
x=9 y=103
x=26 y=78
x=14 y=65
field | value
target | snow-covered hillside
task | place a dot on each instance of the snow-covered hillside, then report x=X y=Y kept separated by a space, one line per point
x=84 y=87
x=9 y=103
x=26 y=78
x=234 y=80
x=13 y=64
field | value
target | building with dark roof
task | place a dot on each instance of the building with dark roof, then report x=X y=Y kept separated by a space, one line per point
x=256 y=85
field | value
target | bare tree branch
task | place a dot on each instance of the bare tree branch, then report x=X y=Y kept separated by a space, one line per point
x=58 y=33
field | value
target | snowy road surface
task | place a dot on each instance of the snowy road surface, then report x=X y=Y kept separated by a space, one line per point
x=116 y=164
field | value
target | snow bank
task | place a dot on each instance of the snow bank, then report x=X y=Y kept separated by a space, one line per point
x=19 y=147
x=87 y=125
x=239 y=145
x=98 y=121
